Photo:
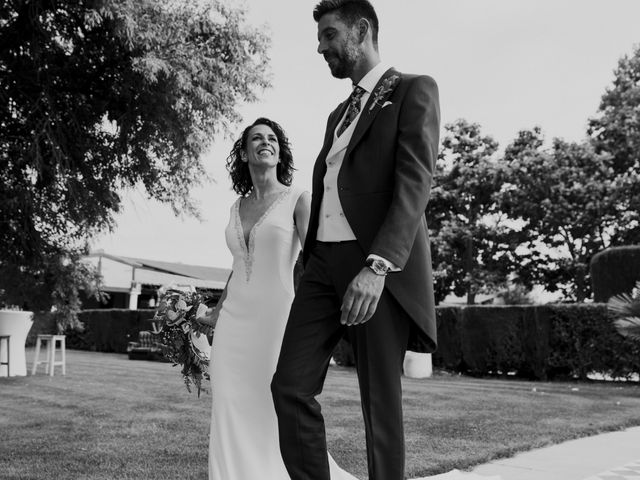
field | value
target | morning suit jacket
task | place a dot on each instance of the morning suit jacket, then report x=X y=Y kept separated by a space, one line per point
x=384 y=185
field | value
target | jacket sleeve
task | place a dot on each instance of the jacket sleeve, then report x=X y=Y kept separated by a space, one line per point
x=416 y=153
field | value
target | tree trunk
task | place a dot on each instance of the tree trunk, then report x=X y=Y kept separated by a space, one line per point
x=471 y=297
x=580 y=290
x=468 y=269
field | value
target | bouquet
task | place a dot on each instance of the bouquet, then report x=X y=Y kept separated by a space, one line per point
x=627 y=306
x=182 y=337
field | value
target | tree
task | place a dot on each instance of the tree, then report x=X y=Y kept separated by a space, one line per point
x=97 y=96
x=566 y=200
x=615 y=130
x=469 y=235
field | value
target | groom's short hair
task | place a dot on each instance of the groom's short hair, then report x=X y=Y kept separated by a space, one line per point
x=350 y=11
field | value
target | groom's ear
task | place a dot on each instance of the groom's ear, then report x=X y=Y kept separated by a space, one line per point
x=363 y=28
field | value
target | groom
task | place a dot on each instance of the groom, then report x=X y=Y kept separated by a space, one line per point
x=367 y=260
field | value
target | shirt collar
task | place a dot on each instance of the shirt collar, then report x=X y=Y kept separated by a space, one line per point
x=370 y=80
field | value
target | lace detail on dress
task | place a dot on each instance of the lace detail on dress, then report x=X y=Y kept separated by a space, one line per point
x=240 y=235
x=249 y=249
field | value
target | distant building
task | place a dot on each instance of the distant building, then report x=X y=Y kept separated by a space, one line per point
x=537 y=296
x=134 y=282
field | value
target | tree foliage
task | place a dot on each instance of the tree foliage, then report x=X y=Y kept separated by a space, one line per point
x=565 y=197
x=534 y=215
x=537 y=215
x=469 y=237
x=616 y=127
x=101 y=95
x=615 y=130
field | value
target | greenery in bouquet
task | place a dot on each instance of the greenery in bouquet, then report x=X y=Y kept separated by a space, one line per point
x=183 y=338
x=627 y=306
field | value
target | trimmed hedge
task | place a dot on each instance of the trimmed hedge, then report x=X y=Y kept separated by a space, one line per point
x=614 y=270
x=343 y=354
x=109 y=330
x=105 y=330
x=534 y=341
x=529 y=341
x=493 y=339
x=43 y=323
x=584 y=339
x=112 y=330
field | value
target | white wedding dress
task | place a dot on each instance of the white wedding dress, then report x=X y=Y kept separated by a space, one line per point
x=244 y=431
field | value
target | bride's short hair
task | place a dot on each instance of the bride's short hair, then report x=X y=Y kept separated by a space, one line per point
x=239 y=170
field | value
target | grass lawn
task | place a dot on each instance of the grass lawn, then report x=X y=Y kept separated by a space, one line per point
x=112 y=418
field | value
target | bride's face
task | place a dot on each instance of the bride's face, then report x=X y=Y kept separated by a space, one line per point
x=262 y=147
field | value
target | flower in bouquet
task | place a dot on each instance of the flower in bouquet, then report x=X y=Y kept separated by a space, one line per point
x=627 y=306
x=182 y=337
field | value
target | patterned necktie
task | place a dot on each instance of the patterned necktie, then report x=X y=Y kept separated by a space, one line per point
x=353 y=109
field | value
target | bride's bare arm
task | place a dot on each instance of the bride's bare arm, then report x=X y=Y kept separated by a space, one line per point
x=211 y=317
x=301 y=215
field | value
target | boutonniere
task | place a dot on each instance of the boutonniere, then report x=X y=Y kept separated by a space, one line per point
x=383 y=90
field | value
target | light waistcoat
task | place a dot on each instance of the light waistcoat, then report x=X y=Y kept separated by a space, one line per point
x=332 y=224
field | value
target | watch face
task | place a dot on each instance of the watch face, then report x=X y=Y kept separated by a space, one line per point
x=379 y=267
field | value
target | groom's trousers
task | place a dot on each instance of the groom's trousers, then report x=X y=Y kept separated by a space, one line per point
x=312 y=333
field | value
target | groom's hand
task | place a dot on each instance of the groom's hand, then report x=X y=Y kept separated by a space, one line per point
x=361 y=298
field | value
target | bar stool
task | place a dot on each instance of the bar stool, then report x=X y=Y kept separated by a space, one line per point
x=50 y=359
x=6 y=338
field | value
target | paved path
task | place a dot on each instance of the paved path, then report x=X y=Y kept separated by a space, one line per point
x=609 y=456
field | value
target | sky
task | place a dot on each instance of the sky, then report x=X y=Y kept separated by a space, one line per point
x=508 y=65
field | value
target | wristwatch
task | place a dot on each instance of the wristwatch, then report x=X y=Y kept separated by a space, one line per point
x=379 y=267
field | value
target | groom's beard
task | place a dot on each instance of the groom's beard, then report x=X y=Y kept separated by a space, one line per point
x=342 y=64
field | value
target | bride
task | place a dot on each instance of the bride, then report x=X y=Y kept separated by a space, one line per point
x=268 y=223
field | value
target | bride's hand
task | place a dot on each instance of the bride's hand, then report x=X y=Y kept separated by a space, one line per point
x=210 y=317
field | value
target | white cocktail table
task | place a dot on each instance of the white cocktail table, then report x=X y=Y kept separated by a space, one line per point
x=16 y=324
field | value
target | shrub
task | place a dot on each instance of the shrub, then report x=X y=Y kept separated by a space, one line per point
x=43 y=323
x=534 y=341
x=108 y=330
x=494 y=340
x=530 y=341
x=583 y=339
x=449 y=353
x=614 y=271
x=343 y=354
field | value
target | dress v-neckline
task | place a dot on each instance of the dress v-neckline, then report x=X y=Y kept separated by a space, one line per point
x=248 y=242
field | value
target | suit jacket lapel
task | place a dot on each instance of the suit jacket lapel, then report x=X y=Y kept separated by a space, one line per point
x=370 y=110
x=321 y=166
x=332 y=124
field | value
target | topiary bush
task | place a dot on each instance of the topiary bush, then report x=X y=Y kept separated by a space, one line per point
x=614 y=271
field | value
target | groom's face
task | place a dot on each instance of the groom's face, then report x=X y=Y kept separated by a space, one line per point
x=339 y=45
